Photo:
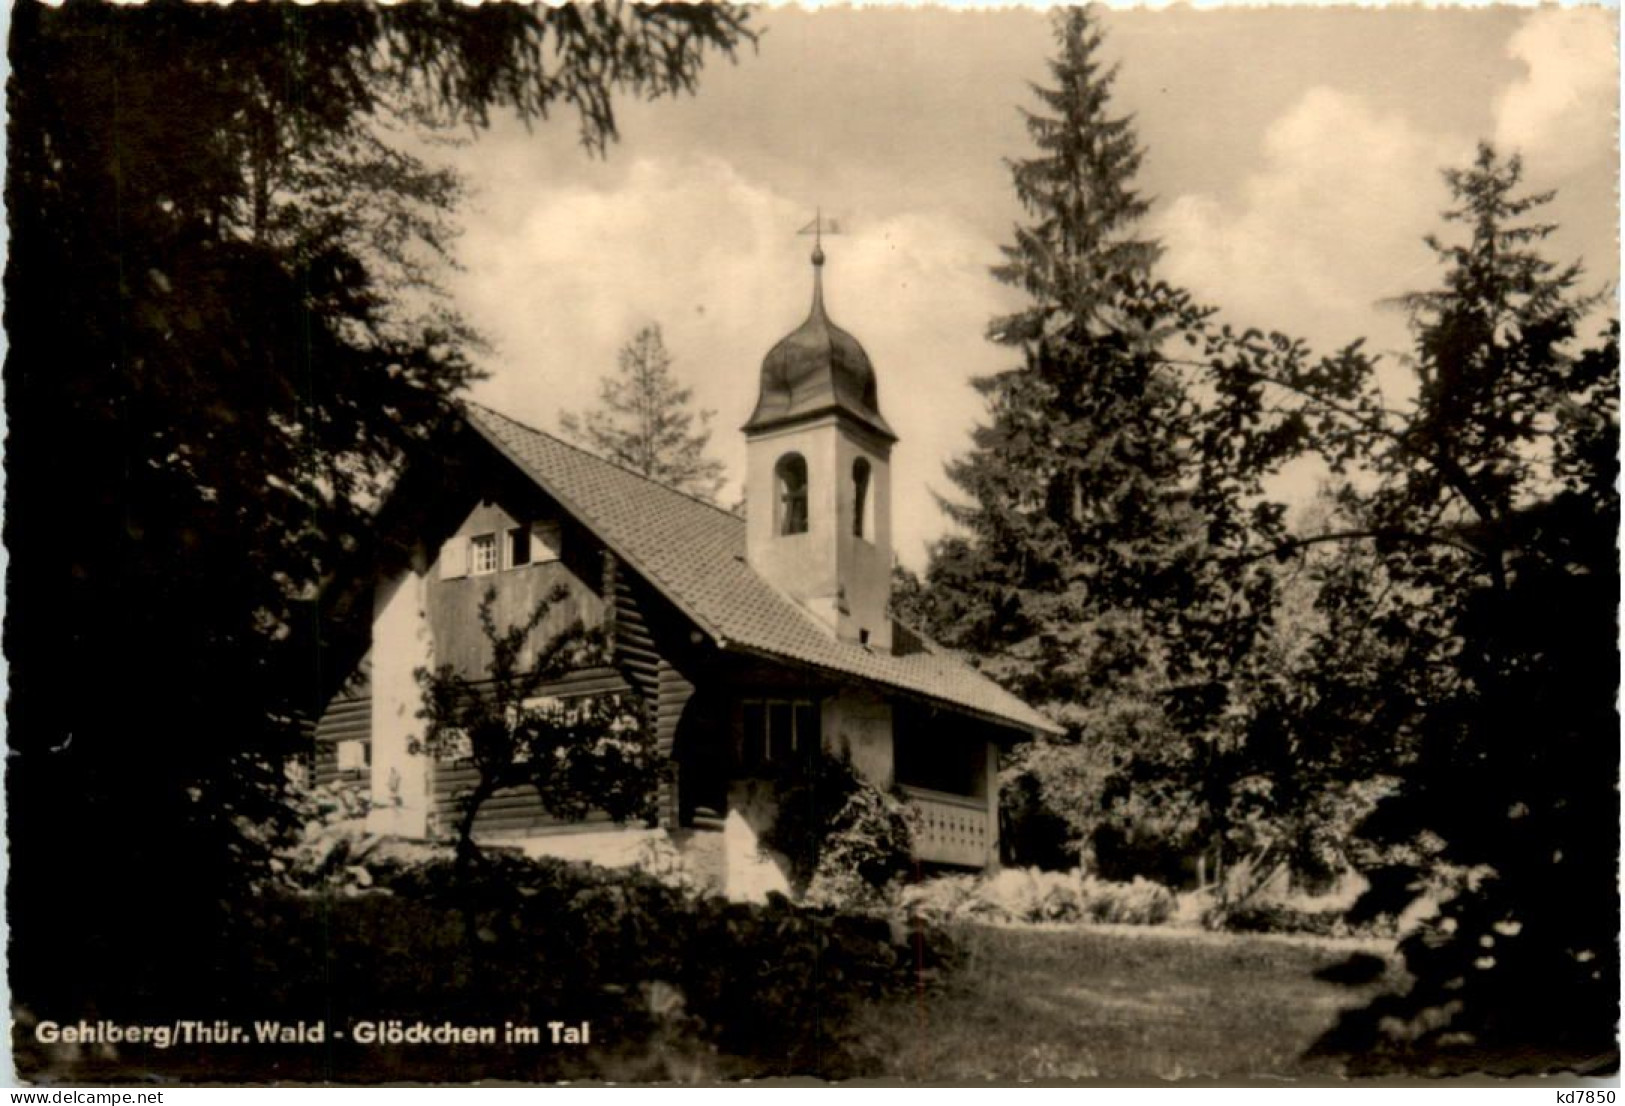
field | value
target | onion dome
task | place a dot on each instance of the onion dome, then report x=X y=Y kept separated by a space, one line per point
x=816 y=369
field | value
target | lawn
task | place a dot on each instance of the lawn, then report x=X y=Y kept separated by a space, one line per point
x=1117 y=1003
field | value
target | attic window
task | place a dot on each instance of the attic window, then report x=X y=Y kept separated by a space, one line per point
x=790 y=505
x=482 y=554
x=518 y=546
x=533 y=544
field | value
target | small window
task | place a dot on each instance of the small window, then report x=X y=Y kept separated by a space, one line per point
x=482 y=553
x=777 y=731
x=518 y=547
x=781 y=732
x=791 y=502
x=808 y=737
x=352 y=756
x=861 y=525
x=754 y=752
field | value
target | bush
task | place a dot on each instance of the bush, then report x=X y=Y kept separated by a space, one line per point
x=675 y=986
x=1139 y=902
x=846 y=840
x=330 y=803
x=1275 y=916
x=1030 y=895
x=942 y=899
x=771 y=982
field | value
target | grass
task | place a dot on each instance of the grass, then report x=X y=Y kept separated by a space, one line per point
x=1117 y=1003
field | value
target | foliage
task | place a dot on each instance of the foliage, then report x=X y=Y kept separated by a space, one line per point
x=846 y=840
x=675 y=987
x=1034 y=895
x=1495 y=519
x=1275 y=916
x=224 y=338
x=1394 y=663
x=580 y=755
x=643 y=421
x=338 y=801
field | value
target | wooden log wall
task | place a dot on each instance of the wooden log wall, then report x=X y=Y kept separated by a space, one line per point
x=638 y=656
x=642 y=630
x=515 y=811
x=674 y=692
x=348 y=718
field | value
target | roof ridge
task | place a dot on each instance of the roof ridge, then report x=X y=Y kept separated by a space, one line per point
x=645 y=477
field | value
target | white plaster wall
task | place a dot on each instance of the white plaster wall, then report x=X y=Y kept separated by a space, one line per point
x=858 y=722
x=751 y=870
x=401 y=644
x=865 y=563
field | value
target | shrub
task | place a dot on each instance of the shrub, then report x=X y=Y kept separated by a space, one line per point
x=1029 y=895
x=846 y=840
x=940 y=900
x=1138 y=902
x=528 y=940
x=330 y=803
x=1275 y=916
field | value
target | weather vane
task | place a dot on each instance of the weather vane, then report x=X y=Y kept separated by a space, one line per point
x=819 y=227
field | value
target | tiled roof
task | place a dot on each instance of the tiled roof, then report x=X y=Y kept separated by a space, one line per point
x=694 y=554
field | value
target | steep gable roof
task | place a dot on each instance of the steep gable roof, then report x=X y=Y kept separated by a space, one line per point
x=694 y=554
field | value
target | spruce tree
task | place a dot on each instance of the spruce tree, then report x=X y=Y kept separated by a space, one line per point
x=644 y=421
x=1079 y=528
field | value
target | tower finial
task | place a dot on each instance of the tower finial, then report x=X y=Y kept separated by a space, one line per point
x=816 y=228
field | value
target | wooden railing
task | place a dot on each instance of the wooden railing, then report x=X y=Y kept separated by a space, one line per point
x=951 y=829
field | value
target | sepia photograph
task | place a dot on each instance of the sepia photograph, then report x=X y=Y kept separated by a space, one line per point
x=695 y=544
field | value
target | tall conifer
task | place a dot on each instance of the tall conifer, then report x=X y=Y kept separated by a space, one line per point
x=1076 y=499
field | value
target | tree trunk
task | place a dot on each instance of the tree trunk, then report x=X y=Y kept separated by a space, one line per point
x=467 y=851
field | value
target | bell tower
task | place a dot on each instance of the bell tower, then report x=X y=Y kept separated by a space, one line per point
x=818 y=477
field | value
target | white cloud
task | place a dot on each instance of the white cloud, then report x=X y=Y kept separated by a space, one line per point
x=1329 y=224
x=1561 y=113
x=559 y=276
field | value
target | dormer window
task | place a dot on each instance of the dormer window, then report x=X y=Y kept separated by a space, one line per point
x=862 y=525
x=790 y=474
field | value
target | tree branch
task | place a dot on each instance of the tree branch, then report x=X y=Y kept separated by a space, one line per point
x=1378 y=534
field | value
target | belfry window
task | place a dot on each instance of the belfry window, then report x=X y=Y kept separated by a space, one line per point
x=790 y=505
x=862 y=526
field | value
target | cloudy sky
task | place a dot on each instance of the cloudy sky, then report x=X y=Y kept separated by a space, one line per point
x=1293 y=155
